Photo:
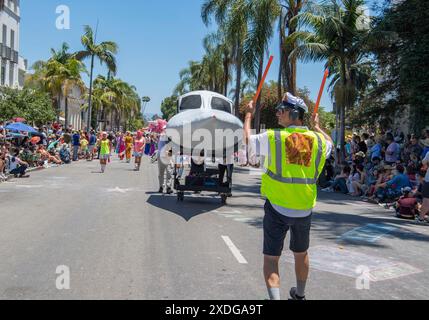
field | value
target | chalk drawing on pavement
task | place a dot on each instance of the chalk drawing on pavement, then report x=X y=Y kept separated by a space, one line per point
x=369 y=233
x=344 y=262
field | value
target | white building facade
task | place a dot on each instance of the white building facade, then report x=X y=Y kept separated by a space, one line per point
x=12 y=66
x=76 y=115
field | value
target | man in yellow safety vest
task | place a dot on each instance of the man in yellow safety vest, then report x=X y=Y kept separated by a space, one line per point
x=294 y=159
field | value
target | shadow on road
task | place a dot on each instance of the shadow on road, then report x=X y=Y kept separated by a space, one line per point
x=255 y=189
x=332 y=226
x=190 y=208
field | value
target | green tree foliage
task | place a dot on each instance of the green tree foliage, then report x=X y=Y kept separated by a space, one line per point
x=169 y=107
x=34 y=106
x=402 y=65
x=339 y=36
x=135 y=124
x=269 y=102
x=105 y=52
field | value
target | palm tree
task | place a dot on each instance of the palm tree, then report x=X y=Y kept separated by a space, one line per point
x=192 y=78
x=217 y=47
x=101 y=98
x=114 y=97
x=65 y=76
x=264 y=13
x=339 y=38
x=104 y=52
x=232 y=17
x=246 y=87
x=287 y=69
x=58 y=76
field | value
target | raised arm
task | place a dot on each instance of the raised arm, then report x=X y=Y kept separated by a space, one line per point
x=316 y=122
x=250 y=111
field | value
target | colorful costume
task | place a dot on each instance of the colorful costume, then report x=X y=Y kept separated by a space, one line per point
x=128 y=147
x=120 y=147
x=139 y=145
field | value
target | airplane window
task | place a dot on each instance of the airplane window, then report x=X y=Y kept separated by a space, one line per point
x=221 y=104
x=191 y=102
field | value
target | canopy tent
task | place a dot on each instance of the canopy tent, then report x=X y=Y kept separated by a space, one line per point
x=20 y=127
x=12 y=135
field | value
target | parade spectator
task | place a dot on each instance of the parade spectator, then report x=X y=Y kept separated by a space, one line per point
x=354 y=144
x=16 y=166
x=393 y=150
x=76 y=145
x=406 y=207
x=359 y=186
x=340 y=182
x=84 y=146
x=393 y=188
x=376 y=150
x=65 y=154
x=412 y=148
x=359 y=158
x=370 y=141
x=2 y=165
x=425 y=144
x=425 y=191
x=92 y=143
x=46 y=157
x=362 y=144
x=67 y=137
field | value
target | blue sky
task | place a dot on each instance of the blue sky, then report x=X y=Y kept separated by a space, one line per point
x=156 y=40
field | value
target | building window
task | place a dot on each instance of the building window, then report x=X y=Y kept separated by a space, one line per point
x=11 y=74
x=12 y=39
x=3 y=73
x=4 y=35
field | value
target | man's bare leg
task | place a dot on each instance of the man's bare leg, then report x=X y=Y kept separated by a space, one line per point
x=272 y=277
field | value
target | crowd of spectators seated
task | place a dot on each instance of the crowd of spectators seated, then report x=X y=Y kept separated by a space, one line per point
x=388 y=169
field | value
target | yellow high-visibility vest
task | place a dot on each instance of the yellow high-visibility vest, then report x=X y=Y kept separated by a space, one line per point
x=295 y=161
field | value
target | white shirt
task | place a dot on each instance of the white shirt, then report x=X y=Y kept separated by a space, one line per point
x=13 y=164
x=259 y=146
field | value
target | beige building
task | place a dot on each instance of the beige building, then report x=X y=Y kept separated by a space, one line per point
x=76 y=116
x=12 y=65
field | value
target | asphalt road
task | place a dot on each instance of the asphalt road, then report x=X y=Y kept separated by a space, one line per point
x=119 y=239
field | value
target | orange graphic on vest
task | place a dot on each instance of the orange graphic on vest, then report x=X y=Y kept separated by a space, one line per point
x=299 y=149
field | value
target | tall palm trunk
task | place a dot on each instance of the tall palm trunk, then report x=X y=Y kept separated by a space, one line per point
x=58 y=111
x=88 y=126
x=119 y=120
x=226 y=72
x=66 y=110
x=279 y=82
x=238 y=77
x=258 y=102
x=343 y=113
x=111 y=120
